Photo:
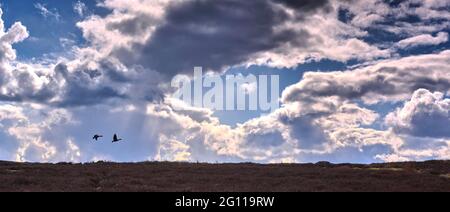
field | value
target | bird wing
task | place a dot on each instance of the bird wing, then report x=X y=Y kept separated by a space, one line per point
x=115 y=137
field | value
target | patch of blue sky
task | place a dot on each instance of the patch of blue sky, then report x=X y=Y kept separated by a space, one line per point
x=287 y=78
x=46 y=33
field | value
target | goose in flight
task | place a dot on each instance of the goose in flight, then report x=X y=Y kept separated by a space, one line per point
x=116 y=138
x=96 y=137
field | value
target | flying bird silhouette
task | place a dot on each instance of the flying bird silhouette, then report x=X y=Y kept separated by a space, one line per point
x=116 y=138
x=96 y=137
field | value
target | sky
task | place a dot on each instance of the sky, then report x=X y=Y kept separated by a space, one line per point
x=359 y=81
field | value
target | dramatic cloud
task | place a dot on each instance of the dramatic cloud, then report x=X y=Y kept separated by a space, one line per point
x=394 y=80
x=390 y=80
x=92 y=78
x=215 y=34
x=172 y=38
x=425 y=115
x=287 y=135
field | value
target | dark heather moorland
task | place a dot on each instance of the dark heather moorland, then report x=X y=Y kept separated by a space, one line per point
x=186 y=177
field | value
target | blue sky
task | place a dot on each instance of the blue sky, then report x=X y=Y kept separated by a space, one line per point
x=44 y=41
x=358 y=83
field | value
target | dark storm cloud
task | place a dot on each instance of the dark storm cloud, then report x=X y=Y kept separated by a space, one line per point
x=78 y=93
x=215 y=34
